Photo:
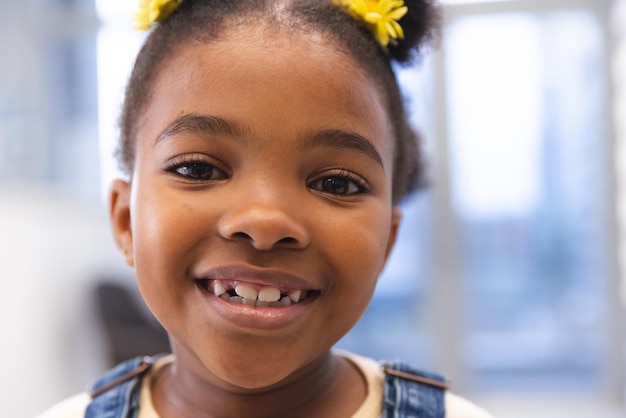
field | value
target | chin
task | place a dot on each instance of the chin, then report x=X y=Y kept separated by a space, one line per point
x=247 y=364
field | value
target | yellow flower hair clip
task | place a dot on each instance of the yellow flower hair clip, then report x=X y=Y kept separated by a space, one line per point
x=381 y=16
x=152 y=11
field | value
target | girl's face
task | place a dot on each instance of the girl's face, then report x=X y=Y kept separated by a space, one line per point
x=263 y=165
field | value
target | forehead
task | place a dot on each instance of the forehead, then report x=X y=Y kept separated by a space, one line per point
x=270 y=75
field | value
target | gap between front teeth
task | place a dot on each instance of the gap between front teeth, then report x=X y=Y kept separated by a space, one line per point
x=266 y=297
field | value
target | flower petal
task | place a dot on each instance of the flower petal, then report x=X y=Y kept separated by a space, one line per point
x=398 y=14
x=381 y=34
x=373 y=17
x=384 y=6
x=390 y=29
x=398 y=29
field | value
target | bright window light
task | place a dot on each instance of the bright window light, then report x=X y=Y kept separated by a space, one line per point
x=118 y=44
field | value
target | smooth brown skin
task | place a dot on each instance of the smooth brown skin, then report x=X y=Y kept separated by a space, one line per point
x=264 y=212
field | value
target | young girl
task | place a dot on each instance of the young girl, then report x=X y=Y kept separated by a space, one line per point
x=267 y=148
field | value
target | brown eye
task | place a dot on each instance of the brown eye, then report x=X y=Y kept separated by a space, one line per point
x=199 y=171
x=341 y=185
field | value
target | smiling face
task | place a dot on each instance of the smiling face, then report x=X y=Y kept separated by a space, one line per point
x=263 y=169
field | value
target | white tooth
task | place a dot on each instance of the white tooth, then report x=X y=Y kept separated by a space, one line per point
x=275 y=304
x=225 y=296
x=262 y=304
x=246 y=291
x=235 y=299
x=218 y=288
x=249 y=302
x=285 y=301
x=295 y=295
x=269 y=294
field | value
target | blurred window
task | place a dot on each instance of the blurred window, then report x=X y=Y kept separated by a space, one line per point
x=118 y=45
x=530 y=193
x=48 y=98
x=511 y=248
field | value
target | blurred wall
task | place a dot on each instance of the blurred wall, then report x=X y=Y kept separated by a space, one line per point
x=54 y=247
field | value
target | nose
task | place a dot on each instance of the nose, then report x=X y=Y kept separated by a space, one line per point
x=264 y=226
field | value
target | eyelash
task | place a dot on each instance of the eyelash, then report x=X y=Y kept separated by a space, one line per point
x=339 y=178
x=194 y=161
x=353 y=180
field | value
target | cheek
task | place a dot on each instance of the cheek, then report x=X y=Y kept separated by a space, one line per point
x=358 y=255
x=162 y=238
x=357 y=261
x=365 y=241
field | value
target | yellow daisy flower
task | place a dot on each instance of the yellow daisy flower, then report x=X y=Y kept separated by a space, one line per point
x=380 y=15
x=152 y=11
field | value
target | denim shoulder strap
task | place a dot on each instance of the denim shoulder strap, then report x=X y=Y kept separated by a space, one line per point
x=410 y=393
x=116 y=393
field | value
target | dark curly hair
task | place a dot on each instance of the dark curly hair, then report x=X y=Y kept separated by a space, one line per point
x=204 y=21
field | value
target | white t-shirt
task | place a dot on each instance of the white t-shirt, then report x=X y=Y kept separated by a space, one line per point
x=456 y=407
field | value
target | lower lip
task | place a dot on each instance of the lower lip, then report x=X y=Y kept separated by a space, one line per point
x=258 y=318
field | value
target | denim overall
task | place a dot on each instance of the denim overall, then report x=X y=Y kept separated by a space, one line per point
x=408 y=393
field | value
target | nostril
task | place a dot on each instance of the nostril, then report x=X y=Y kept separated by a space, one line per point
x=288 y=241
x=242 y=235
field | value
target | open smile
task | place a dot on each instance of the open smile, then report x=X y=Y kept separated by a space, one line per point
x=257 y=307
x=256 y=287
x=255 y=298
x=250 y=294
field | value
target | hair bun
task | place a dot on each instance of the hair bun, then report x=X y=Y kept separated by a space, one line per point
x=420 y=26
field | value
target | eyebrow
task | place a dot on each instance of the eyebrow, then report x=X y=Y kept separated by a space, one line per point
x=217 y=126
x=202 y=124
x=339 y=139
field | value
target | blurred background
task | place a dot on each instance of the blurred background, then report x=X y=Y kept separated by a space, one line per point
x=509 y=272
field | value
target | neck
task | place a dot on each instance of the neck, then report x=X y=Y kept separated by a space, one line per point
x=328 y=386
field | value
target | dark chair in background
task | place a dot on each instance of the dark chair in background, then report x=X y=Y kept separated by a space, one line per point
x=129 y=328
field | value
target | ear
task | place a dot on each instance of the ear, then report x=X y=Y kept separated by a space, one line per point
x=396 y=218
x=119 y=213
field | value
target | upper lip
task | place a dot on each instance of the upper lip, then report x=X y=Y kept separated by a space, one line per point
x=255 y=275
